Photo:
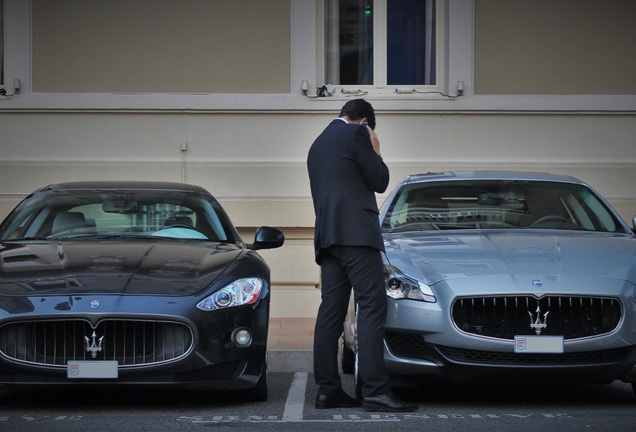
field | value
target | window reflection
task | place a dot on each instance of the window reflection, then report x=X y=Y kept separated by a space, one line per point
x=401 y=31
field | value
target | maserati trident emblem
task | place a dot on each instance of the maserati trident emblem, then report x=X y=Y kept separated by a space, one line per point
x=536 y=324
x=93 y=345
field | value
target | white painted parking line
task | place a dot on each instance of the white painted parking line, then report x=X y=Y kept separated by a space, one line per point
x=295 y=403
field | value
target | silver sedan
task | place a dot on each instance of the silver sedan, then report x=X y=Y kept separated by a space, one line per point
x=505 y=275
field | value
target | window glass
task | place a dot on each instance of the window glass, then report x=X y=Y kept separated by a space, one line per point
x=84 y=214
x=350 y=42
x=381 y=42
x=493 y=204
x=411 y=42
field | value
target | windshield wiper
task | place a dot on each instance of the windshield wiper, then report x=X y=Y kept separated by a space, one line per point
x=111 y=236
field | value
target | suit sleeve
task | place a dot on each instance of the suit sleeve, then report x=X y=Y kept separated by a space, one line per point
x=373 y=168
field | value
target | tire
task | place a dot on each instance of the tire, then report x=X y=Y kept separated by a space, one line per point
x=634 y=388
x=348 y=358
x=357 y=382
x=259 y=392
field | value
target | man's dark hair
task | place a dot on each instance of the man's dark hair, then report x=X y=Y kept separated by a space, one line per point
x=357 y=109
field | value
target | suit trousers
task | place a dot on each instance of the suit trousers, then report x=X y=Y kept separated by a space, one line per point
x=344 y=268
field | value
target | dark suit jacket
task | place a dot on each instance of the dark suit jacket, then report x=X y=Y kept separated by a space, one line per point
x=344 y=173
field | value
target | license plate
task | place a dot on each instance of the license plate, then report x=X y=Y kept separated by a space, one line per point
x=539 y=344
x=92 y=369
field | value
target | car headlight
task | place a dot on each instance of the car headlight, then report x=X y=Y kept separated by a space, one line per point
x=238 y=293
x=399 y=286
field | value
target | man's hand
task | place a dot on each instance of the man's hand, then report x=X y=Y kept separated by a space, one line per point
x=375 y=142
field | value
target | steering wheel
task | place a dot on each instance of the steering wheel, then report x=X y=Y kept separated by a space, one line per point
x=548 y=219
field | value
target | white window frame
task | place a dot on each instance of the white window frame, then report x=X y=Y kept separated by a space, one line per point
x=1 y=43
x=380 y=87
x=17 y=48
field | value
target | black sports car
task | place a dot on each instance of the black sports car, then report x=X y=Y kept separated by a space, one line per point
x=132 y=283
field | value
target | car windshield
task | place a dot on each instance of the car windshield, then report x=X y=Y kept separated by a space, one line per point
x=497 y=204
x=82 y=213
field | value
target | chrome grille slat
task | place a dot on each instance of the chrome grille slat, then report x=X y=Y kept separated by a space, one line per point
x=132 y=343
x=505 y=317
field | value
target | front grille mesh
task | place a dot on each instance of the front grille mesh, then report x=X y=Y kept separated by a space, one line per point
x=130 y=342
x=507 y=317
x=406 y=345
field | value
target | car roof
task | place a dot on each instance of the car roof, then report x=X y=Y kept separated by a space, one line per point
x=488 y=175
x=118 y=185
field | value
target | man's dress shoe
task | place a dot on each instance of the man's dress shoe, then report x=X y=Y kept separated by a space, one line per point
x=386 y=402
x=337 y=400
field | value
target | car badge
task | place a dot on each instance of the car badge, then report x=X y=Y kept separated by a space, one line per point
x=94 y=304
x=93 y=345
x=521 y=343
x=537 y=283
x=536 y=324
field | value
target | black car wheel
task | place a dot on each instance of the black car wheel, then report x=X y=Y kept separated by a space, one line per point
x=259 y=393
x=357 y=383
x=348 y=358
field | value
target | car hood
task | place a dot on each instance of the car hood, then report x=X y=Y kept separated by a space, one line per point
x=434 y=257
x=112 y=267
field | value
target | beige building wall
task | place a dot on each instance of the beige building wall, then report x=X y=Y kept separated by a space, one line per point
x=107 y=98
x=212 y=46
x=164 y=46
x=555 y=47
x=259 y=174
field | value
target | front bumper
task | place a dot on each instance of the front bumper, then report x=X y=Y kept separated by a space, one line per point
x=437 y=363
x=422 y=343
x=213 y=361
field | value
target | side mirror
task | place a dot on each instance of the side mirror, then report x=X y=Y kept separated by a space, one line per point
x=267 y=238
x=634 y=224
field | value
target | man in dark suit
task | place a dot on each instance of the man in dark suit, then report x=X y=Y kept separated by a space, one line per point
x=345 y=171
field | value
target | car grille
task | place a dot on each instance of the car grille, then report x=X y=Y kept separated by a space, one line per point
x=406 y=345
x=131 y=343
x=507 y=317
